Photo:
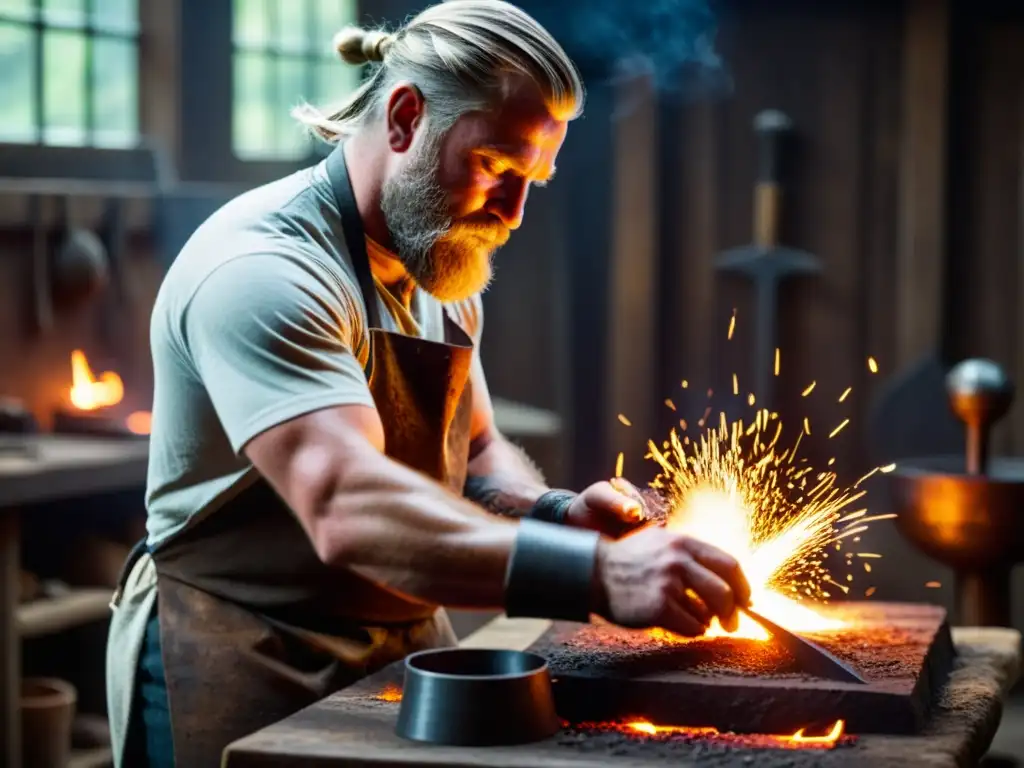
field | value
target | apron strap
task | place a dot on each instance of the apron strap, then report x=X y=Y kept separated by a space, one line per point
x=352 y=228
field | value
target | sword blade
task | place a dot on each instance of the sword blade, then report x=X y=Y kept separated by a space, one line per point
x=811 y=657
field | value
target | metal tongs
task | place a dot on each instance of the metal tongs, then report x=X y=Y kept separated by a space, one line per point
x=811 y=657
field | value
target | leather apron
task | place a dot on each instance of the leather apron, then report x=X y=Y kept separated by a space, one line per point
x=253 y=626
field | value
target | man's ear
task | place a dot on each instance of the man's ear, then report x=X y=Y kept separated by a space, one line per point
x=404 y=115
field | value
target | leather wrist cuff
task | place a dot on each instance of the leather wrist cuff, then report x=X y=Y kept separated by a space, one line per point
x=552 y=507
x=550 y=572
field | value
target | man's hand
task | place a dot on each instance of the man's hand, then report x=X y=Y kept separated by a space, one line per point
x=643 y=580
x=614 y=508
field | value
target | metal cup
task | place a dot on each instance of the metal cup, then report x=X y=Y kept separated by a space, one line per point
x=476 y=697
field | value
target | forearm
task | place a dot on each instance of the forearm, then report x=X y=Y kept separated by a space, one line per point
x=412 y=535
x=503 y=479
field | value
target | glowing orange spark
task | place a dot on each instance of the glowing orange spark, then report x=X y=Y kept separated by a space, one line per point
x=776 y=361
x=732 y=324
x=872 y=365
x=750 y=399
x=807 y=425
x=735 y=385
x=869 y=591
x=625 y=421
x=839 y=429
x=618 y=464
x=809 y=389
x=933 y=584
x=685 y=384
x=669 y=403
x=846 y=393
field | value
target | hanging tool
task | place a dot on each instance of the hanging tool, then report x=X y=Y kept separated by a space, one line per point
x=811 y=658
x=764 y=262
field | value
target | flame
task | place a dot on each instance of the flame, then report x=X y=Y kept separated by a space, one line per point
x=389 y=692
x=89 y=393
x=798 y=740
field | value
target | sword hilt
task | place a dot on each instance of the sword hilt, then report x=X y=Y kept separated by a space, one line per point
x=772 y=127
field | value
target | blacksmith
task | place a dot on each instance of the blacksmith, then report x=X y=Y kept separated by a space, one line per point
x=325 y=470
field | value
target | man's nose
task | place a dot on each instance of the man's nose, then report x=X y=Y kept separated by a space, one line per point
x=508 y=202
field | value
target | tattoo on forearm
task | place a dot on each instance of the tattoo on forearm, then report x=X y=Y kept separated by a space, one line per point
x=488 y=493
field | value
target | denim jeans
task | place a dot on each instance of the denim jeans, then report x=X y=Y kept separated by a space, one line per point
x=150 y=741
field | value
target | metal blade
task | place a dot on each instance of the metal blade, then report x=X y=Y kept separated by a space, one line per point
x=812 y=658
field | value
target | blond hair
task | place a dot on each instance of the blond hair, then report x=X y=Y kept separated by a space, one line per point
x=459 y=54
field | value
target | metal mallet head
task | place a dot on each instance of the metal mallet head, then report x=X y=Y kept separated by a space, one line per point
x=772 y=121
x=980 y=393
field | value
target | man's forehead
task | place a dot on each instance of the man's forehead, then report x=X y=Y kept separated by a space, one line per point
x=525 y=131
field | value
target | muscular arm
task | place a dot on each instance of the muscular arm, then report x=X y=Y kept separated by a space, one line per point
x=274 y=339
x=501 y=477
x=366 y=512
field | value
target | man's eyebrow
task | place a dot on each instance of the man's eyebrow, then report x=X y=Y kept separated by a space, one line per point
x=539 y=179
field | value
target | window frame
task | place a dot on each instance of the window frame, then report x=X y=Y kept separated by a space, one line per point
x=38 y=160
x=207 y=151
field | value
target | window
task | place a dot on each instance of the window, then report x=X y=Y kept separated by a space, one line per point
x=283 y=56
x=69 y=73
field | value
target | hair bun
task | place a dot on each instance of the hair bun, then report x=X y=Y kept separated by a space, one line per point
x=358 y=46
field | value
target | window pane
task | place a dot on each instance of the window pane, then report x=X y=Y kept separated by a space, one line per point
x=65 y=12
x=292 y=21
x=253 y=105
x=17 y=9
x=115 y=100
x=64 y=87
x=335 y=80
x=332 y=15
x=115 y=15
x=291 y=90
x=251 y=26
x=17 y=83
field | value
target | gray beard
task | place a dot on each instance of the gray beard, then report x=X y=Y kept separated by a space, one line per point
x=444 y=263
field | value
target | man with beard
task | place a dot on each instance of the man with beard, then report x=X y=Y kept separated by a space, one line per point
x=325 y=471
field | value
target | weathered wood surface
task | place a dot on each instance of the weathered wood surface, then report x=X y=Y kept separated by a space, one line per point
x=41 y=468
x=904 y=651
x=352 y=728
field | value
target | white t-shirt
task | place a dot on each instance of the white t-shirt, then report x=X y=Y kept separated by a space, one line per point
x=260 y=320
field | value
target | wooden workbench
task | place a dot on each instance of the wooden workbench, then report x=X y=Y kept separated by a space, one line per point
x=326 y=734
x=33 y=470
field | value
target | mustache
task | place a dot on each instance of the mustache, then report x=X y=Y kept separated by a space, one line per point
x=493 y=230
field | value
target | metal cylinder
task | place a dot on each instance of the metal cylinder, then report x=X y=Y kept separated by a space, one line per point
x=983 y=597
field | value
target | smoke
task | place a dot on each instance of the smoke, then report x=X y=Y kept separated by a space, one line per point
x=671 y=41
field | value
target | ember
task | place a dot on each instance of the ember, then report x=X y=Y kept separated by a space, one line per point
x=389 y=692
x=798 y=740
